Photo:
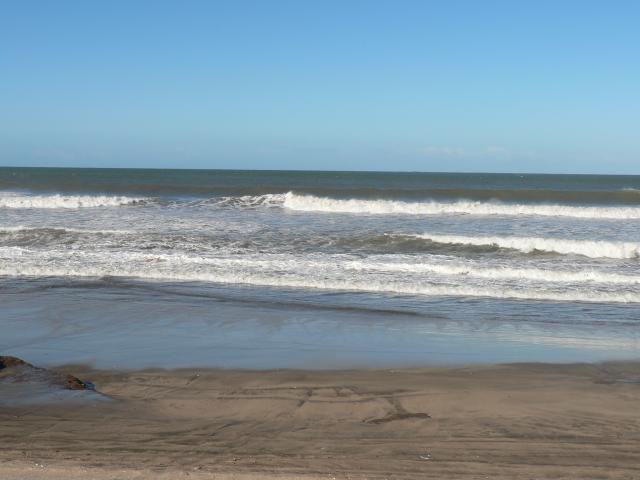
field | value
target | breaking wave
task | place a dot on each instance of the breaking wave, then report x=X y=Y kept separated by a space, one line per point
x=587 y=248
x=15 y=200
x=500 y=273
x=243 y=201
x=339 y=284
x=330 y=273
x=310 y=203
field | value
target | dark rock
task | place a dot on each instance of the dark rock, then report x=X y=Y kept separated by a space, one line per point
x=74 y=383
x=17 y=370
x=9 y=362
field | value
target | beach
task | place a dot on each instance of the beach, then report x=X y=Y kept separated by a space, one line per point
x=249 y=324
x=506 y=421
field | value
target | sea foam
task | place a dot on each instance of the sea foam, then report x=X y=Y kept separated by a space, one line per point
x=332 y=284
x=329 y=273
x=15 y=200
x=312 y=203
x=587 y=248
x=499 y=272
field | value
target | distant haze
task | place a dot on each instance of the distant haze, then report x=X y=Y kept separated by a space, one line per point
x=494 y=86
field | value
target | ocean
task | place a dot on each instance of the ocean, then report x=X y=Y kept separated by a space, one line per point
x=286 y=269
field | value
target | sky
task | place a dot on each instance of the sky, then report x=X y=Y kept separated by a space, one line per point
x=490 y=86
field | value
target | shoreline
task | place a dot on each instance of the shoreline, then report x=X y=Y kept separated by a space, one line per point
x=525 y=420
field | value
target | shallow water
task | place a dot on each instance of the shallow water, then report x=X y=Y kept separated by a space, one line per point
x=131 y=325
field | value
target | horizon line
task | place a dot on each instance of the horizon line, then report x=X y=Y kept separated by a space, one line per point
x=316 y=171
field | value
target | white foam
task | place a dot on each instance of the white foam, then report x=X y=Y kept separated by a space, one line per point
x=310 y=203
x=588 y=248
x=15 y=200
x=25 y=229
x=11 y=229
x=246 y=201
x=339 y=284
x=329 y=272
x=383 y=265
x=12 y=252
x=500 y=273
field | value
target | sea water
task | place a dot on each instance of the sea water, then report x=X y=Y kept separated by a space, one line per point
x=265 y=269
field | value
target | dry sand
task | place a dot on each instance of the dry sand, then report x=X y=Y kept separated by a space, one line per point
x=508 y=421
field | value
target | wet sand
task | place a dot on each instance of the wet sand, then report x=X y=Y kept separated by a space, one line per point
x=508 y=421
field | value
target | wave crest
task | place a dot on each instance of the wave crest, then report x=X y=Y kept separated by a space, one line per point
x=310 y=203
x=587 y=248
x=244 y=201
x=10 y=200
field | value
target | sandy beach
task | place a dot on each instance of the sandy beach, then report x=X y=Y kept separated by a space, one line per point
x=508 y=421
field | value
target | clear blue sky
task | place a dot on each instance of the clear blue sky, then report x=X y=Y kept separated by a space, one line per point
x=537 y=86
